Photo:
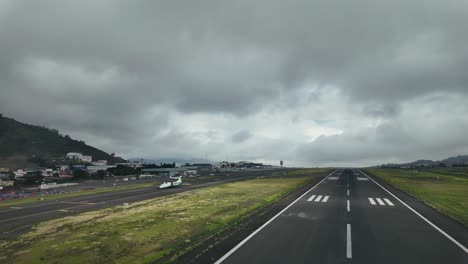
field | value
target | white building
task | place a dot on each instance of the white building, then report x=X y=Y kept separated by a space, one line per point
x=99 y=163
x=98 y=168
x=79 y=156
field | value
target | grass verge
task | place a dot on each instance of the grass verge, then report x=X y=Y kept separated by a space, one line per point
x=445 y=189
x=158 y=229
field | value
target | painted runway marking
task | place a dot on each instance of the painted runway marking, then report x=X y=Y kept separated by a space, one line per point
x=380 y=201
x=268 y=222
x=347 y=192
x=362 y=178
x=460 y=245
x=333 y=178
x=315 y=198
x=349 y=253
x=388 y=202
x=348 y=206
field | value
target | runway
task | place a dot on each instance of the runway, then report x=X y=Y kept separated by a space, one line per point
x=350 y=218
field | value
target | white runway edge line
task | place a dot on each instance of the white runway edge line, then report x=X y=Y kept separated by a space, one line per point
x=422 y=217
x=349 y=253
x=268 y=222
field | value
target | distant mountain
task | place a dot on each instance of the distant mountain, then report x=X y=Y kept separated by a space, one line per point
x=25 y=145
x=460 y=159
x=423 y=163
x=456 y=160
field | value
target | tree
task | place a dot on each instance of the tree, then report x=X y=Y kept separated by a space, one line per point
x=101 y=174
x=80 y=174
x=122 y=170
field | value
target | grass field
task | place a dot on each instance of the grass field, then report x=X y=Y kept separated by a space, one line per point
x=147 y=231
x=57 y=196
x=445 y=189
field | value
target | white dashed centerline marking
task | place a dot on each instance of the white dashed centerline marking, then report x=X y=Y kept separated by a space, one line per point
x=348 y=206
x=318 y=198
x=333 y=178
x=372 y=201
x=380 y=201
x=389 y=202
x=311 y=198
x=349 y=253
x=347 y=192
x=325 y=199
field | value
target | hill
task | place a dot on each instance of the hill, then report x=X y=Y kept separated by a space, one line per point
x=24 y=145
x=460 y=159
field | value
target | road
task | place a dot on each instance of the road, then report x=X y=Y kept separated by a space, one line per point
x=16 y=220
x=349 y=218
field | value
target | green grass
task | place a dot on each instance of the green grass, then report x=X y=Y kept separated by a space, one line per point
x=160 y=229
x=445 y=189
x=58 y=196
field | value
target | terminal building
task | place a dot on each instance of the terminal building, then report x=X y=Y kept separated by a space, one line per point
x=159 y=172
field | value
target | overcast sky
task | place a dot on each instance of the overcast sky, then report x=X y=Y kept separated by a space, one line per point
x=313 y=83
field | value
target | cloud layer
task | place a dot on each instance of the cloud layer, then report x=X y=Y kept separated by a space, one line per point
x=310 y=82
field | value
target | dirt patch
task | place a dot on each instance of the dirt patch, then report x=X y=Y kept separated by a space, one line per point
x=215 y=247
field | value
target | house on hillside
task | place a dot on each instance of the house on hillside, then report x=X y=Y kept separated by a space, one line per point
x=80 y=157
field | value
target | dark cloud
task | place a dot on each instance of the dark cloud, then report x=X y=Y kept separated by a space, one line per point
x=241 y=136
x=122 y=70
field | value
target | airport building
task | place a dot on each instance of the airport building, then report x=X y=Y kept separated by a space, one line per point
x=162 y=172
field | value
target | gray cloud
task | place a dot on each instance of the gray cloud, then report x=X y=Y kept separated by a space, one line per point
x=120 y=72
x=241 y=136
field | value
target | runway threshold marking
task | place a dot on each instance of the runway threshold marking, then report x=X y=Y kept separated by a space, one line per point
x=380 y=201
x=388 y=202
x=268 y=222
x=325 y=199
x=318 y=198
x=422 y=217
x=311 y=198
x=349 y=253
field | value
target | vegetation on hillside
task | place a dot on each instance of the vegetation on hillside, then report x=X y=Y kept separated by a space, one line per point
x=23 y=145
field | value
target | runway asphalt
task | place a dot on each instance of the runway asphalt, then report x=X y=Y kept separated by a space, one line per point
x=350 y=218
